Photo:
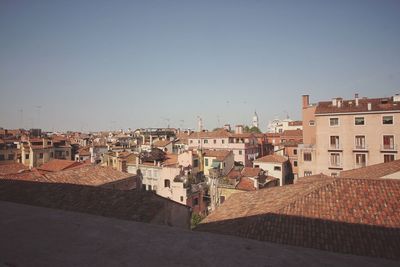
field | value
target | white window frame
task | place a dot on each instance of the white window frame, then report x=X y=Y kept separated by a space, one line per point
x=359 y=124
x=387 y=116
x=338 y=119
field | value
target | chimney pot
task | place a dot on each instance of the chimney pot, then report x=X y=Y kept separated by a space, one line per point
x=369 y=106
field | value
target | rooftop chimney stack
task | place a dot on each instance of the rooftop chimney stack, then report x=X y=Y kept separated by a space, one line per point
x=334 y=102
x=369 y=106
x=238 y=129
x=306 y=100
x=396 y=98
x=356 y=98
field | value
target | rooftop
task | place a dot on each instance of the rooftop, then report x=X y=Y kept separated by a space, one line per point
x=377 y=104
x=55 y=165
x=355 y=216
x=375 y=171
x=49 y=237
x=272 y=159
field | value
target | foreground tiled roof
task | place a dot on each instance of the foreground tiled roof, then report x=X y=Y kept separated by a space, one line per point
x=357 y=216
x=58 y=165
x=272 y=159
x=93 y=175
x=376 y=105
x=12 y=168
x=132 y=205
x=374 y=171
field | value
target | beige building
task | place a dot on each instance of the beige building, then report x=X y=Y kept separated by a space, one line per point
x=347 y=134
x=243 y=145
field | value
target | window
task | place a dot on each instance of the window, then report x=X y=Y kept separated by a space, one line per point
x=191 y=141
x=51 y=155
x=307 y=156
x=167 y=183
x=41 y=155
x=198 y=141
x=311 y=123
x=195 y=163
x=335 y=159
x=10 y=156
x=205 y=141
x=181 y=198
x=334 y=121
x=334 y=174
x=387 y=119
x=2 y=157
x=240 y=152
x=388 y=158
x=66 y=153
x=294 y=151
x=277 y=168
x=361 y=160
x=155 y=173
x=215 y=141
x=195 y=201
x=334 y=142
x=359 y=121
x=307 y=173
x=388 y=142
x=206 y=162
x=360 y=142
x=295 y=163
x=26 y=156
x=223 y=141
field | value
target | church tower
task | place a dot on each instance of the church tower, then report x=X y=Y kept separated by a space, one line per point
x=255 y=120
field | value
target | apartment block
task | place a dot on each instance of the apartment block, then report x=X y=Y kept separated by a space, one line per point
x=347 y=134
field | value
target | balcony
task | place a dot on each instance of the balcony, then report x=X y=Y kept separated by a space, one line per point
x=389 y=148
x=335 y=147
x=360 y=148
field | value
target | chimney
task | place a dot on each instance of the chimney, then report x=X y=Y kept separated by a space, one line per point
x=339 y=103
x=356 y=98
x=334 y=102
x=306 y=100
x=396 y=98
x=369 y=106
x=238 y=129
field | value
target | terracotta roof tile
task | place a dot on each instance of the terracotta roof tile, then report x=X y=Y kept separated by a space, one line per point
x=373 y=171
x=376 y=105
x=357 y=216
x=218 y=154
x=246 y=184
x=12 y=168
x=250 y=172
x=58 y=165
x=272 y=159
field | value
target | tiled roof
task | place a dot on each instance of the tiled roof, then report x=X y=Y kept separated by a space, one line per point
x=246 y=184
x=250 y=172
x=87 y=175
x=357 y=216
x=215 y=134
x=373 y=171
x=376 y=105
x=12 y=168
x=292 y=133
x=162 y=143
x=170 y=159
x=218 y=154
x=58 y=165
x=28 y=175
x=132 y=205
x=272 y=159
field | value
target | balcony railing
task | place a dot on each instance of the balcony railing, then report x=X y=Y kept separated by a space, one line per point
x=360 y=147
x=391 y=147
x=335 y=147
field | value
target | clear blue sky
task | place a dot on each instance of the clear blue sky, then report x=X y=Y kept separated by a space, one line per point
x=95 y=65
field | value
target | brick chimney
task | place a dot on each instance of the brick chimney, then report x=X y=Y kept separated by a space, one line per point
x=306 y=100
x=238 y=129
